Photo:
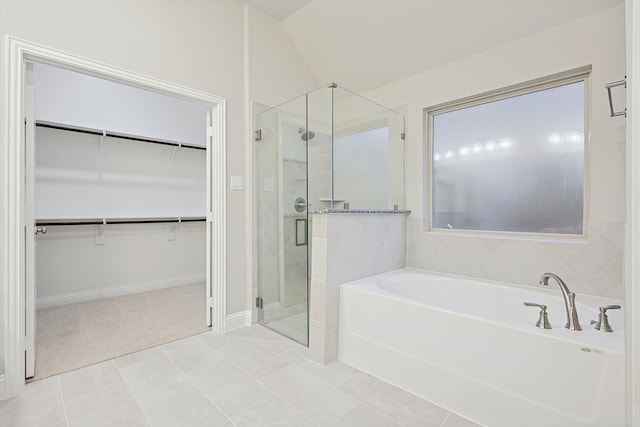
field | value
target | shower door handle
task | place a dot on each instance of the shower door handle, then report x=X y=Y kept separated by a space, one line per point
x=301 y=231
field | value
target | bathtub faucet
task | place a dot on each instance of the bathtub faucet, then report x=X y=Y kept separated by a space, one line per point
x=569 y=301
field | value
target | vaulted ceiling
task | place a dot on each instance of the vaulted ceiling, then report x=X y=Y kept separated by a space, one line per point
x=278 y=9
x=362 y=44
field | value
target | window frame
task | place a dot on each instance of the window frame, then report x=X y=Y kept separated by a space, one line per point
x=567 y=77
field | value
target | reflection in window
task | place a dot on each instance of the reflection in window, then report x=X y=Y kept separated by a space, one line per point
x=513 y=163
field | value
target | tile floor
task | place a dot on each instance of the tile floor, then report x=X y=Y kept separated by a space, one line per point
x=248 y=377
x=293 y=326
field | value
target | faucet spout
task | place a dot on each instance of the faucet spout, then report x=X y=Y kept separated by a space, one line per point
x=569 y=300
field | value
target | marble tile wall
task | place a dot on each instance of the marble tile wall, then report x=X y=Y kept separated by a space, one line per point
x=266 y=223
x=346 y=247
x=592 y=267
x=281 y=265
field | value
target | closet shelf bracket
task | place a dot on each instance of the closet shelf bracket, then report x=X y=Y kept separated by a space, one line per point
x=104 y=134
x=175 y=150
x=100 y=233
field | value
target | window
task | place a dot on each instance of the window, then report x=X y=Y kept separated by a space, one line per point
x=512 y=160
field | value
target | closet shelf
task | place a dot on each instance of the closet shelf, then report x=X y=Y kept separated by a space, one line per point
x=99 y=132
x=106 y=221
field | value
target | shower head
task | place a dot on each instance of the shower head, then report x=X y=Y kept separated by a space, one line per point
x=306 y=135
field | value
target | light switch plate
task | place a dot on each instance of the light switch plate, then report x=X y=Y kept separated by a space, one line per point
x=237 y=183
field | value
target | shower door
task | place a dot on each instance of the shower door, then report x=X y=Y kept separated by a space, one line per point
x=282 y=219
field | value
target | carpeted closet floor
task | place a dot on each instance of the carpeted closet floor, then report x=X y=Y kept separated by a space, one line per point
x=78 y=335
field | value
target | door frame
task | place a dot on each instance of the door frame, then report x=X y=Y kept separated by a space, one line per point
x=28 y=216
x=12 y=280
x=632 y=248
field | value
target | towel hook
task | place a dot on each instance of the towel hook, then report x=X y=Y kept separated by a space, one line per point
x=609 y=86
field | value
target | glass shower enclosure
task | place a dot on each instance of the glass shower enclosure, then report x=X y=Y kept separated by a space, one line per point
x=327 y=149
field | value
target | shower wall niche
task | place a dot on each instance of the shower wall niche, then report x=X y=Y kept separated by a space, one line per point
x=327 y=149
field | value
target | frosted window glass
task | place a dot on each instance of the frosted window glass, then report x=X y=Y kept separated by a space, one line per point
x=515 y=165
x=361 y=169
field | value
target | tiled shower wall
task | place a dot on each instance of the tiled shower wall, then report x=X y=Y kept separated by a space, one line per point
x=347 y=247
x=282 y=266
x=266 y=226
x=592 y=267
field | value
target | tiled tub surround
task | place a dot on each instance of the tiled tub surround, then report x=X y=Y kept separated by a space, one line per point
x=345 y=247
x=592 y=267
x=481 y=355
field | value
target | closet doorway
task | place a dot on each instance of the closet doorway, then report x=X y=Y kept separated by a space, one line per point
x=20 y=301
x=119 y=210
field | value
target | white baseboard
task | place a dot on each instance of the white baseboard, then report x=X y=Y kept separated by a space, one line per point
x=118 y=291
x=238 y=320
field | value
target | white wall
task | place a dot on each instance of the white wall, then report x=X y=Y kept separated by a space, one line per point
x=591 y=267
x=72 y=267
x=277 y=71
x=76 y=177
x=72 y=98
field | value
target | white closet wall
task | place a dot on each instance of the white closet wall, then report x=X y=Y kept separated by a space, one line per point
x=77 y=176
x=133 y=258
x=72 y=98
x=80 y=176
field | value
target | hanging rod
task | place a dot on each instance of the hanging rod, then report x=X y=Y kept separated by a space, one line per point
x=97 y=132
x=106 y=221
x=609 y=86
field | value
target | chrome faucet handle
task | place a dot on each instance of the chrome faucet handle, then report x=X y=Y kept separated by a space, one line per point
x=543 y=319
x=603 y=321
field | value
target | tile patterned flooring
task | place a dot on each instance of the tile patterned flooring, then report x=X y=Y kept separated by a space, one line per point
x=248 y=377
x=293 y=326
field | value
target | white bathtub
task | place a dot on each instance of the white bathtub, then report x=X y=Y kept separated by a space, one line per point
x=473 y=348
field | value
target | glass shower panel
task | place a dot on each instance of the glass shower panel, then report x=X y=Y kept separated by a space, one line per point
x=320 y=154
x=319 y=151
x=281 y=186
x=368 y=153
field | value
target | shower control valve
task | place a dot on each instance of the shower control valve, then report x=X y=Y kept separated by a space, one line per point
x=300 y=204
x=543 y=318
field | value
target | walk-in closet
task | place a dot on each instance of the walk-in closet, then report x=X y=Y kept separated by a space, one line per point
x=119 y=179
